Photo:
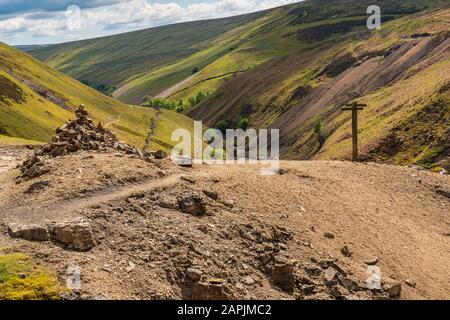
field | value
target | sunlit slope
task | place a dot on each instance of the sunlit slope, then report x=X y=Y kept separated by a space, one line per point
x=35 y=100
x=399 y=71
x=160 y=61
x=117 y=60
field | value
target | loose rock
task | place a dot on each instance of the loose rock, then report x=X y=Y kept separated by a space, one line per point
x=328 y=235
x=211 y=289
x=410 y=283
x=193 y=204
x=193 y=274
x=371 y=261
x=346 y=252
x=393 y=289
x=76 y=235
x=329 y=276
x=283 y=274
x=348 y=283
x=28 y=232
x=160 y=154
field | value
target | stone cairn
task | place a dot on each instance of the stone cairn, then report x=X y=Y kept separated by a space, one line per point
x=76 y=135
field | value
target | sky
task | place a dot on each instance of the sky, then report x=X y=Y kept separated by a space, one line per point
x=28 y=22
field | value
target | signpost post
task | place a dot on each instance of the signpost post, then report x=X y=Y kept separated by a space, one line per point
x=354 y=108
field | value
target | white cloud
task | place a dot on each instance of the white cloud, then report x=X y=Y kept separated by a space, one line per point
x=126 y=16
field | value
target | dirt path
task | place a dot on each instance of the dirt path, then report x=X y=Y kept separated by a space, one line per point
x=151 y=133
x=179 y=87
x=110 y=123
x=170 y=91
x=397 y=214
x=67 y=209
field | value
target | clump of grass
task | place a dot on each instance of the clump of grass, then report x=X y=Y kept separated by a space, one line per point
x=21 y=279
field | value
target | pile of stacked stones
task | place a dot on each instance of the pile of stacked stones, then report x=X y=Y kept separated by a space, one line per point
x=82 y=134
x=75 y=135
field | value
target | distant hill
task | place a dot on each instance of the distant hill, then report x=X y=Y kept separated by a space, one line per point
x=124 y=61
x=148 y=62
x=35 y=100
x=27 y=48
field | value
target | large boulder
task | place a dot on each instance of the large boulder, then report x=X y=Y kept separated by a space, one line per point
x=74 y=235
x=210 y=289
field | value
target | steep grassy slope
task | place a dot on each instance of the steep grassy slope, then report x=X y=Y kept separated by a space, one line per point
x=35 y=99
x=400 y=72
x=293 y=67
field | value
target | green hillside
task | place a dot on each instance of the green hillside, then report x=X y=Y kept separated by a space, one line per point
x=155 y=61
x=292 y=68
x=399 y=71
x=117 y=60
x=35 y=100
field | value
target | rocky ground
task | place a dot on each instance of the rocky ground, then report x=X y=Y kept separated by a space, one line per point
x=157 y=231
x=139 y=227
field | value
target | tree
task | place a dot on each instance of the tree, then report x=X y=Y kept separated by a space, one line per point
x=222 y=125
x=318 y=131
x=198 y=98
x=159 y=103
x=243 y=124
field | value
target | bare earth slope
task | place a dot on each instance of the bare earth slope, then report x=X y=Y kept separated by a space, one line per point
x=148 y=247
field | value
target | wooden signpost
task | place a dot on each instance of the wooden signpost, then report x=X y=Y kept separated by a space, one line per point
x=354 y=108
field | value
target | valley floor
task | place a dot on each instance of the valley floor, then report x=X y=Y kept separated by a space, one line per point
x=313 y=213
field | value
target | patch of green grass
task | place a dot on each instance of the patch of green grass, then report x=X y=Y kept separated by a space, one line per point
x=16 y=141
x=22 y=279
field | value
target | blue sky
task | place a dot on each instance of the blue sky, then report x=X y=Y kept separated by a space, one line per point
x=54 y=21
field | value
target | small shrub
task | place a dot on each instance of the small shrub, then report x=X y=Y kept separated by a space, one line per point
x=243 y=124
x=159 y=103
x=222 y=125
x=318 y=131
x=199 y=97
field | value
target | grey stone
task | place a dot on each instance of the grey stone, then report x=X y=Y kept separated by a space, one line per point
x=329 y=276
x=348 y=283
x=28 y=232
x=194 y=274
